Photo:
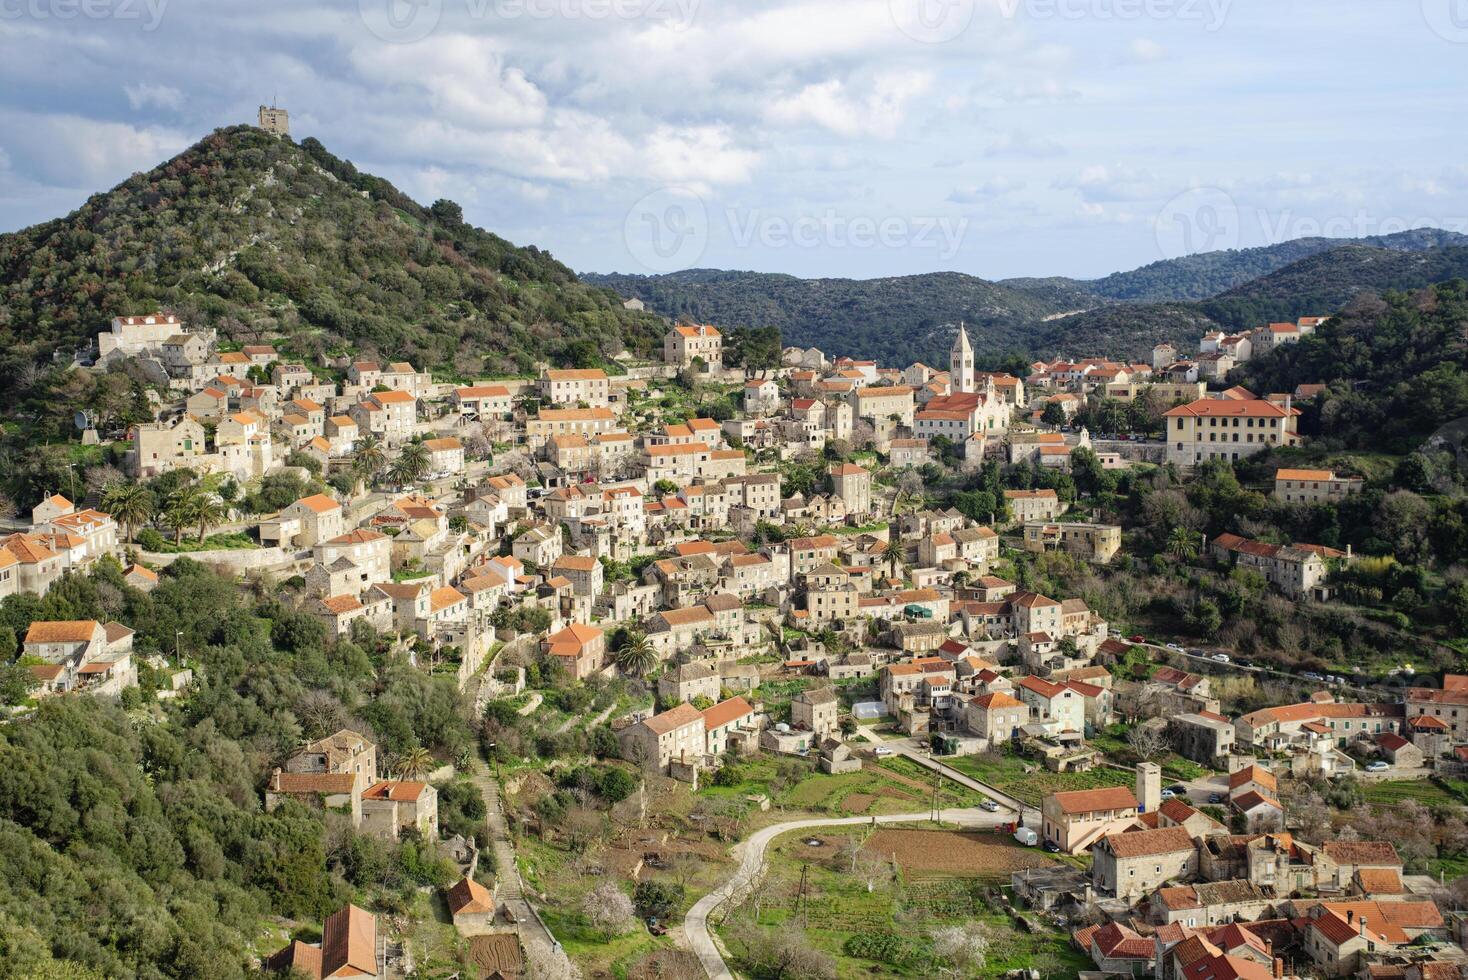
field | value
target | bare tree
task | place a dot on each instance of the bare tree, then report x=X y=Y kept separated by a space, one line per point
x=1147 y=741
x=609 y=910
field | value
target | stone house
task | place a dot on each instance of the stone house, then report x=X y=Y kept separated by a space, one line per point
x=1132 y=865
x=816 y=711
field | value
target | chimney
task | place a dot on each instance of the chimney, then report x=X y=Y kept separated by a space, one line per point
x=1278 y=968
x=1350 y=916
x=1363 y=926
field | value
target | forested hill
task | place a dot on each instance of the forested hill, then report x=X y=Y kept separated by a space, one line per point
x=903 y=318
x=257 y=237
x=1397 y=367
x=1330 y=280
x=1208 y=274
x=895 y=320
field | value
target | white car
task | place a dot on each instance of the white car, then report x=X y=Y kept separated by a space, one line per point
x=881 y=750
x=1175 y=646
x=1221 y=658
x=1168 y=794
x=990 y=806
x=1377 y=767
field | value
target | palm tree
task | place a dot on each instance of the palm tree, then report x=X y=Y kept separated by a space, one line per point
x=130 y=504
x=416 y=762
x=636 y=657
x=370 y=459
x=411 y=464
x=1182 y=544
x=182 y=509
x=209 y=511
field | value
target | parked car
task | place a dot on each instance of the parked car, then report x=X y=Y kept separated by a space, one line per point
x=989 y=806
x=1168 y=794
x=1243 y=662
x=1052 y=847
x=1178 y=789
x=1028 y=837
x=1221 y=658
x=1310 y=675
x=1215 y=798
x=1377 y=766
x=1175 y=646
x=1139 y=638
x=881 y=750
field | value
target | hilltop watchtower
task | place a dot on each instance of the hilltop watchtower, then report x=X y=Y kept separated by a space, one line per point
x=275 y=121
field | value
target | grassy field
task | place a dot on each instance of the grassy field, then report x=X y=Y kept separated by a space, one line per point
x=874 y=921
x=1428 y=792
x=799 y=787
x=1007 y=773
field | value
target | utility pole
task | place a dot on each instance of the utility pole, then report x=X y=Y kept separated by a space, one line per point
x=802 y=903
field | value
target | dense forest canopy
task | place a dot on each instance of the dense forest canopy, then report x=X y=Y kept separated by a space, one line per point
x=132 y=838
x=260 y=237
x=897 y=320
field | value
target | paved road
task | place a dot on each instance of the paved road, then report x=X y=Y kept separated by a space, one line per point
x=541 y=947
x=751 y=857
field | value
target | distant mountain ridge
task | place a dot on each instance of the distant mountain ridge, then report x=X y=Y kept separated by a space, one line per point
x=906 y=318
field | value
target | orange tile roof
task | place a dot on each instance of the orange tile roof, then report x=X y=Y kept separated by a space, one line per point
x=674 y=718
x=392 y=398
x=577 y=374
x=443 y=598
x=319 y=503
x=62 y=631
x=394 y=789
x=1091 y=800
x=349 y=943
x=469 y=896
x=725 y=712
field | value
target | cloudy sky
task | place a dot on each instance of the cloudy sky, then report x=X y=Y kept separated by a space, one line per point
x=815 y=137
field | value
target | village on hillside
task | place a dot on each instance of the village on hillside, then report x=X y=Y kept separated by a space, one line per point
x=748 y=596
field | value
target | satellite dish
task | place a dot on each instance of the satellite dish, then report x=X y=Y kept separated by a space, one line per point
x=82 y=421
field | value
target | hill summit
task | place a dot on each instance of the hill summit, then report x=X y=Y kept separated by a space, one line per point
x=262 y=237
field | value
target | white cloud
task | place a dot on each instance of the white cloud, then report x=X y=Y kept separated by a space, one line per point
x=1017 y=143
x=985 y=190
x=76 y=152
x=148 y=94
x=1146 y=50
x=833 y=105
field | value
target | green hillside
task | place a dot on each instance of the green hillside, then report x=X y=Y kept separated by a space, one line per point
x=261 y=238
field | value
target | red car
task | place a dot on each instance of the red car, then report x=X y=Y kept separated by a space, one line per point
x=1139 y=639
